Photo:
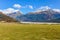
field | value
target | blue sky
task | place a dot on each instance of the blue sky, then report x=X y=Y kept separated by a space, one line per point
x=29 y=5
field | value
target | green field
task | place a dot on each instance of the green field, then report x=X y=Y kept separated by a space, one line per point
x=16 y=31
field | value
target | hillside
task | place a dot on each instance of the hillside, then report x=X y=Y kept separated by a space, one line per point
x=6 y=18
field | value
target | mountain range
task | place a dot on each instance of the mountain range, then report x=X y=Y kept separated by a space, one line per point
x=45 y=15
x=48 y=15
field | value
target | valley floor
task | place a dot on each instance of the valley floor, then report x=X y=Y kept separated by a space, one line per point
x=16 y=31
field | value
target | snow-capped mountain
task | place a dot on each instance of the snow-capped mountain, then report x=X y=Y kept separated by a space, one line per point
x=45 y=15
x=15 y=15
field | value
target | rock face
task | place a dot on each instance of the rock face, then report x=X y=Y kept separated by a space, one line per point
x=6 y=18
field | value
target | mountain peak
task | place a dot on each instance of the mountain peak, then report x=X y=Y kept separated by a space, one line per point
x=44 y=8
x=56 y=10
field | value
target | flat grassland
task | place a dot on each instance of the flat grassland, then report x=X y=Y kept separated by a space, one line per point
x=16 y=31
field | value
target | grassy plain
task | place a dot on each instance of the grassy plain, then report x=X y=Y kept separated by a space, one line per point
x=16 y=31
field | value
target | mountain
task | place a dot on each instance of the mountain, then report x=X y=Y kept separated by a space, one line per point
x=42 y=15
x=15 y=15
x=47 y=15
x=6 y=18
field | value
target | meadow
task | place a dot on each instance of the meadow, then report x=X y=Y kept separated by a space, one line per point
x=16 y=31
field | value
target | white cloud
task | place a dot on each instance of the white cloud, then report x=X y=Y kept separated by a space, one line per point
x=17 y=6
x=30 y=6
x=9 y=10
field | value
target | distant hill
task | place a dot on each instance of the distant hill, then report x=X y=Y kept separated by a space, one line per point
x=6 y=18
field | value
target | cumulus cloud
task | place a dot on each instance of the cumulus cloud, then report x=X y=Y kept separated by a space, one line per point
x=30 y=6
x=17 y=6
x=9 y=10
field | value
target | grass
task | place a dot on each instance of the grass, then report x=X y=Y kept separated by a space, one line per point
x=16 y=31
